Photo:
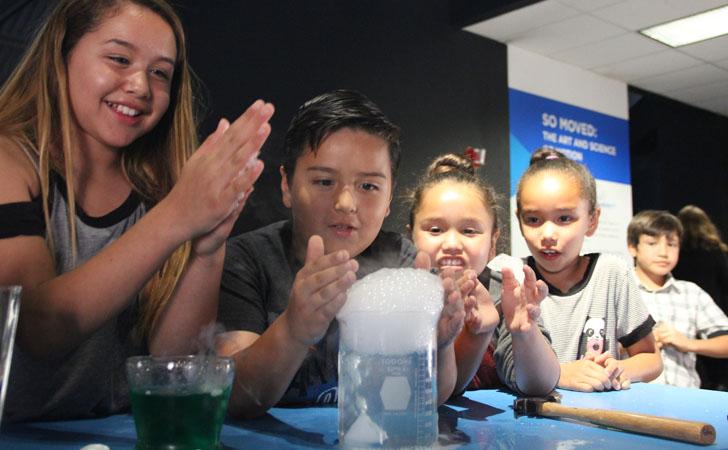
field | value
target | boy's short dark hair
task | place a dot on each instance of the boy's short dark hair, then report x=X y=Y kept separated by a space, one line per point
x=323 y=115
x=652 y=222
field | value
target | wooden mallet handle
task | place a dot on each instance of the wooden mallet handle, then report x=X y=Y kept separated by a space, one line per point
x=681 y=430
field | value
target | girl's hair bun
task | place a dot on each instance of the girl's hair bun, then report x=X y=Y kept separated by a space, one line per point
x=545 y=154
x=451 y=162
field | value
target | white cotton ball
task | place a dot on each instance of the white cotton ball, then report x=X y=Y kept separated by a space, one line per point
x=515 y=264
x=95 y=447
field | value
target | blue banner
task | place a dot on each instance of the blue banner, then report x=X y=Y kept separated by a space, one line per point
x=599 y=141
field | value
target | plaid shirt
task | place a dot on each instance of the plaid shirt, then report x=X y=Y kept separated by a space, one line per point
x=688 y=308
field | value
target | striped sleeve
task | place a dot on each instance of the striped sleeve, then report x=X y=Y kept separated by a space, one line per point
x=633 y=318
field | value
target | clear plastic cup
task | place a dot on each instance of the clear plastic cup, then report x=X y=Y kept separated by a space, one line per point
x=9 y=308
x=179 y=402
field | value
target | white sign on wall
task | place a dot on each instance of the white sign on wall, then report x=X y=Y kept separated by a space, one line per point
x=583 y=115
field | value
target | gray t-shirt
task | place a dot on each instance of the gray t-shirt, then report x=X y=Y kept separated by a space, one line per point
x=90 y=380
x=259 y=271
x=604 y=309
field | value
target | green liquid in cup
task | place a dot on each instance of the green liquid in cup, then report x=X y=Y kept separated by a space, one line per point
x=178 y=421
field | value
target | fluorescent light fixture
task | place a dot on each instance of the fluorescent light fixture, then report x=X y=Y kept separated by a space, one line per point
x=691 y=29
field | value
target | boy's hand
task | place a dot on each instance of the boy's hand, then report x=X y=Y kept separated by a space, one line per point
x=521 y=303
x=480 y=313
x=319 y=292
x=666 y=335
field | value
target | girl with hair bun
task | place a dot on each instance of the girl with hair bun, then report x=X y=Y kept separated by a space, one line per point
x=454 y=219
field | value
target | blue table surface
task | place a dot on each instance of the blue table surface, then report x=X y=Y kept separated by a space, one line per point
x=481 y=419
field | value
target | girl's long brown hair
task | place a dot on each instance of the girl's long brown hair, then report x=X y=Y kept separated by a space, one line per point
x=35 y=113
x=699 y=232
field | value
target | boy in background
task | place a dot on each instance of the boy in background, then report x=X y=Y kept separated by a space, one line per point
x=688 y=321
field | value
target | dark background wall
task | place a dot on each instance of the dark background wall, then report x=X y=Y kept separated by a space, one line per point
x=18 y=21
x=446 y=88
x=679 y=155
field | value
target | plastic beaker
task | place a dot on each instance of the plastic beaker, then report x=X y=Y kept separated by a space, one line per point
x=387 y=393
x=9 y=308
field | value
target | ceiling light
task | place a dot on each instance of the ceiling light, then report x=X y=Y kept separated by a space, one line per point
x=691 y=29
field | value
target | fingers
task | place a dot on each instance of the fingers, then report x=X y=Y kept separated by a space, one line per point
x=317 y=288
x=231 y=153
x=314 y=249
x=470 y=304
x=467 y=282
x=331 y=308
x=249 y=126
x=509 y=279
x=535 y=290
x=319 y=291
x=482 y=294
x=612 y=369
x=249 y=168
x=617 y=378
x=584 y=387
x=212 y=139
x=454 y=306
x=662 y=337
x=243 y=189
x=236 y=151
x=511 y=293
x=331 y=296
x=422 y=261
x=598 y=380
x=453 y=314
x=542 y=290
x=322 y=263
x=584 y=375
x=323 y=277
x=626 y=383
x=222 y=127
x=600 y=358
x=529 y=279
x=250 y=150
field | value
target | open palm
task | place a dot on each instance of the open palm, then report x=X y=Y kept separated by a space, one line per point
x=521 y=303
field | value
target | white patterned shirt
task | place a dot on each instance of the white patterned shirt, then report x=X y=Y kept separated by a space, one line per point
x=691 y=311
x=602 y=311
